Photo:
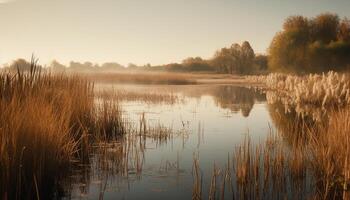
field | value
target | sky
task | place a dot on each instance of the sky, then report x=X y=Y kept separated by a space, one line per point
x=144 y=31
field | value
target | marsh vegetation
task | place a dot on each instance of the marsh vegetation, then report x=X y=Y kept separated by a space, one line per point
x=198 y=129
x=66 y=137
x=46 y=122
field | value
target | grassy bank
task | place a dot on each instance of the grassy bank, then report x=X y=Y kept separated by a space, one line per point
x=45 y=122
x=147 y=97
x=143 y=78
x=167 y=78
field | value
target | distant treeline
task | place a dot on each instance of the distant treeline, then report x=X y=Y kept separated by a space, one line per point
x=304 y=45
x=238 y=59
x=24 y=65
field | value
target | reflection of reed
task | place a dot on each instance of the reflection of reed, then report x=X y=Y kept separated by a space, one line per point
x=316 y=112
x=168 y=165
x=200 y=135
x=160 y=133
x=293 y=127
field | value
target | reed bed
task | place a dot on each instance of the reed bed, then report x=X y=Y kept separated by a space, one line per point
x=330 y=88
x=330 y=153
x=144 y=78
x=47 y=121
x=159 y=133
x=265 y=171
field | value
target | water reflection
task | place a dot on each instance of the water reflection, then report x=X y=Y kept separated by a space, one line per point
x=316 y=112
x=289 y=123
x=160 y=166
x=237 y=98
x=233 y=98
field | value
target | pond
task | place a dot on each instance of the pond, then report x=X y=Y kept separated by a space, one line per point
x=207 y=123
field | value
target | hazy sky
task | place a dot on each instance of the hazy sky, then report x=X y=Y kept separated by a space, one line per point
x=143 y=31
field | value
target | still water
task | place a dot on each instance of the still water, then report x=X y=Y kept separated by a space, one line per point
x=208 y=123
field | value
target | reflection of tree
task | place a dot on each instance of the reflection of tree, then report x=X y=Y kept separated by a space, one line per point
x=237 y=98
x=232 y=97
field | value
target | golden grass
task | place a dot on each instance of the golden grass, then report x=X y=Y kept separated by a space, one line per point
x=330 y=155
x=46 y=121
x=144 y=97
x=197 y=179
x=331 y=88
x=265 y=171
x=160 y=133
x=169 y=78
x=143 y=78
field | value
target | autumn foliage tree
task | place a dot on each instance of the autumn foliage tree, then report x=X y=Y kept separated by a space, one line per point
x=238 y=59
x=311 y=45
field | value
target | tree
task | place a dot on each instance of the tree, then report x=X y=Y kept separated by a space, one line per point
x=311 y=45
x=288 y=48
x=111 y=66
x=324 y=28
x=223 y=60
x=77 y=66
x=57 y=67
x=196 y=64
x=344 y=31
x=20 y=64
x=261 y=63
x=238 y=59
x=247 y=57
x=132 y=66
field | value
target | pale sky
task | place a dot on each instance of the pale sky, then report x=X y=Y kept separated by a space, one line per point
x=143 y=31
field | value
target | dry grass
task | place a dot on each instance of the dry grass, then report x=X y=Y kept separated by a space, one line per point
x=144 y=78
x=265 y=171
x=149 y=98
x=330 y=155
x=169 y=78
x=160 y=133
x=46 y=121
x=197 y=179
x=331 y=88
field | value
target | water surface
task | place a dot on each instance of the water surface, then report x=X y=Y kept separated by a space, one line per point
x=210 y=121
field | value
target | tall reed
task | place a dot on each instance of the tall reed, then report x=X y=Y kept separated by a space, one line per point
x=330 y=88
x=45 y=121
x=330 y=154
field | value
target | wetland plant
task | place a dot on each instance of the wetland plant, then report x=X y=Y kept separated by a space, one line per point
x=46 y=121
